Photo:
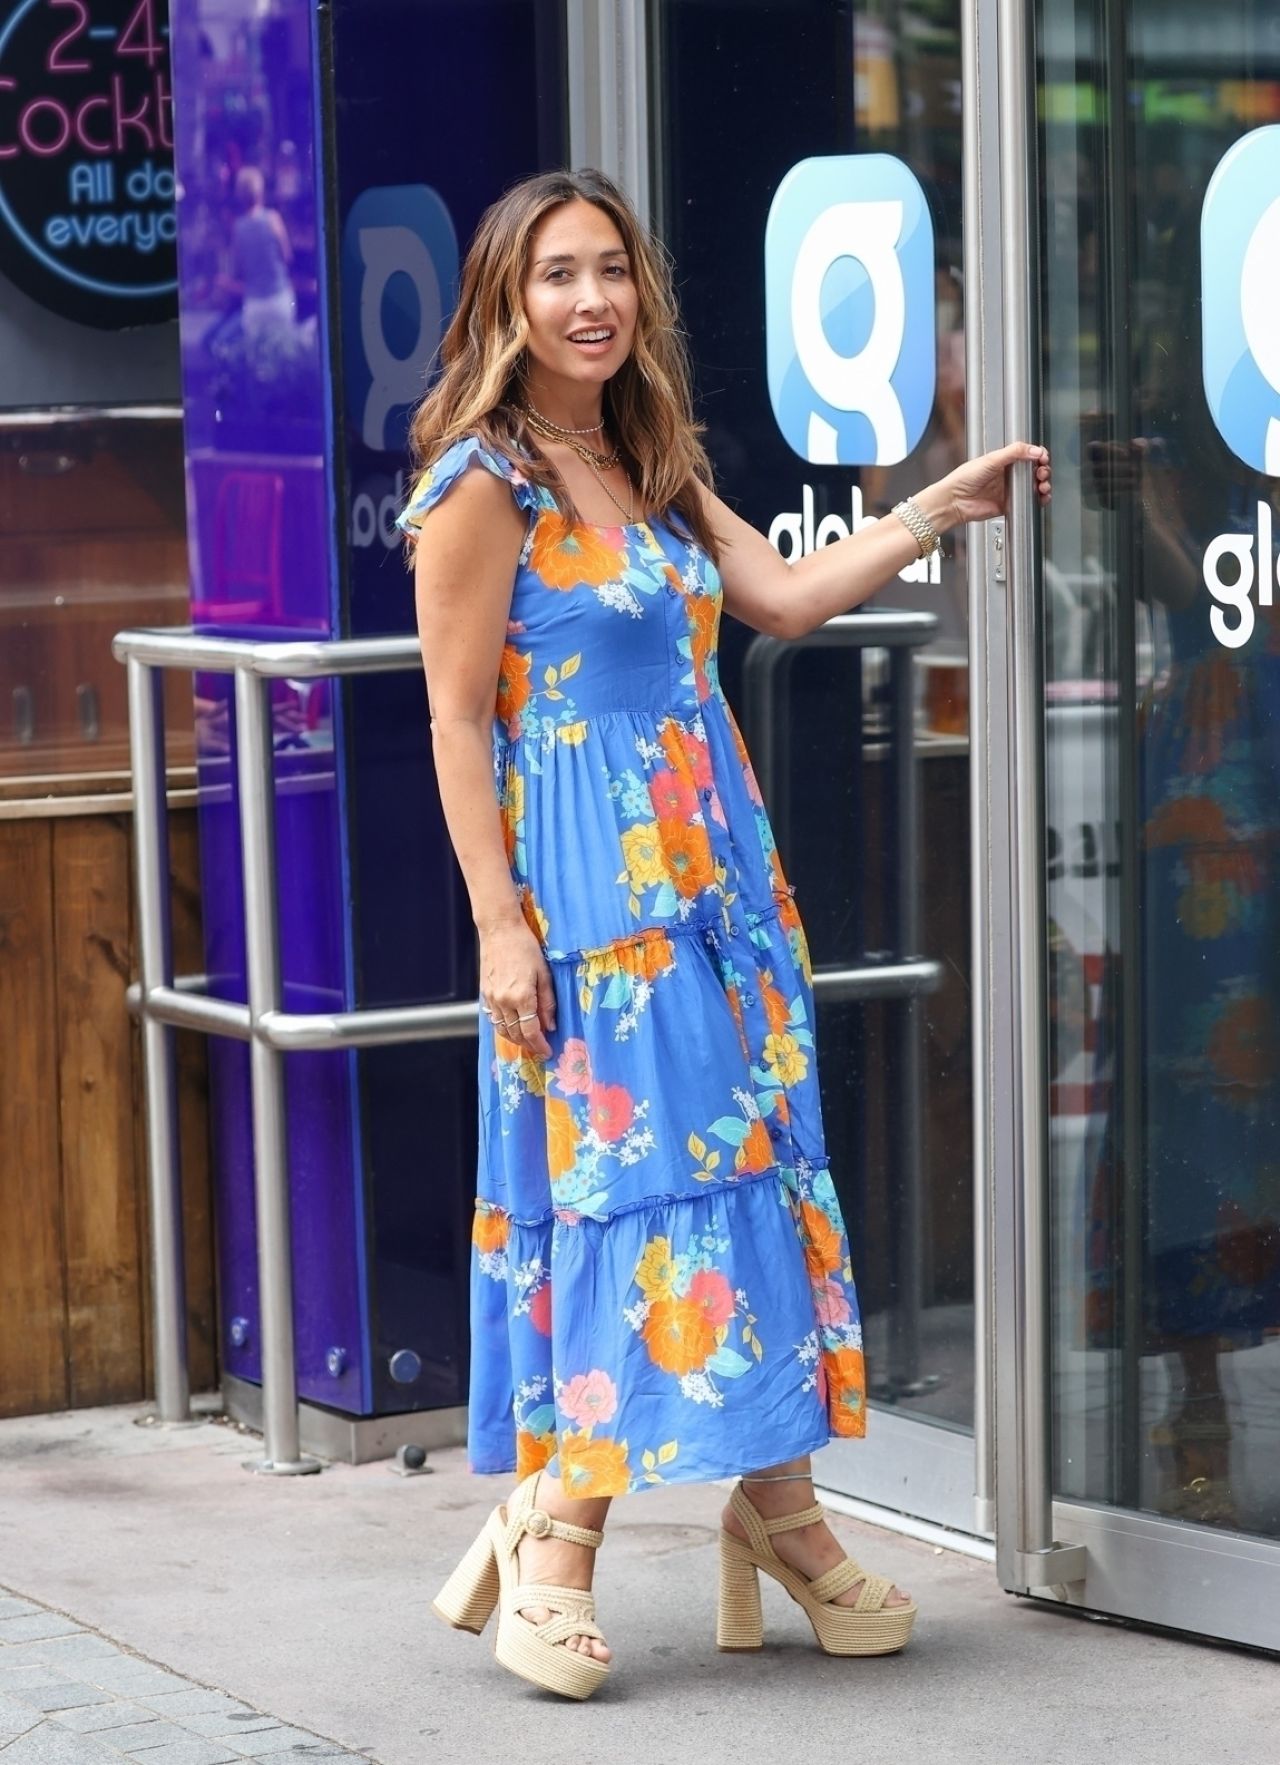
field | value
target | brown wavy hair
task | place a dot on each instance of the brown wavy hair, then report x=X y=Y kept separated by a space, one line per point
x=648 y=405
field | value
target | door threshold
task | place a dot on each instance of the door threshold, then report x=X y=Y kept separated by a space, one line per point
x=944 y=1537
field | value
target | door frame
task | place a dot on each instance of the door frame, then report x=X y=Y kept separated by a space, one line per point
x=1088 y=1555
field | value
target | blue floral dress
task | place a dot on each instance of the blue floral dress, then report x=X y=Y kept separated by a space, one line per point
x=661 y=1282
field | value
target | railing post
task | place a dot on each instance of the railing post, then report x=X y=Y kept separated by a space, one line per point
x=160 y=1082
x=255 y=781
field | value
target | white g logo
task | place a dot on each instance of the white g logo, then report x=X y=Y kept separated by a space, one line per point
x=868 y=405
x=394 y=380
x=399 y=267
x=1259 y=278
x=869 y=232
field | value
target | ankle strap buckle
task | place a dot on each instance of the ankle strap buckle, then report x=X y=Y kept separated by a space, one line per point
x=537 y=1522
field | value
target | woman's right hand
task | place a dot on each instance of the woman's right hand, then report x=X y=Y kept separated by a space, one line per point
x=515 y=987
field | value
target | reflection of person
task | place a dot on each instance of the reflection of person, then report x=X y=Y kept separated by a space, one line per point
x=662 y=1288
x=260 y=257
x=1209 y=774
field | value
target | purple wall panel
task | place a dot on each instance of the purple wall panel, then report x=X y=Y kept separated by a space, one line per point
x=261 y=497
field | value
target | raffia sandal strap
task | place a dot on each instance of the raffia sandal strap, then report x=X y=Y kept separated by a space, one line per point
x=875 y=1594
x=752 y=1523
x=759 y=1530
x=538 y=1523
x=556 y=1598
x=837 y=1581
x=557 y=1630
x=575 y=1610
x=793 y=1522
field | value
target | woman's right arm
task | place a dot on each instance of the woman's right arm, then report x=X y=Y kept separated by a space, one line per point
x=465 y=562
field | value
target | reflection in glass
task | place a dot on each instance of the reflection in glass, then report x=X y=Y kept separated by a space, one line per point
x=92 y=539
x=1163 y=799
x=836 y=78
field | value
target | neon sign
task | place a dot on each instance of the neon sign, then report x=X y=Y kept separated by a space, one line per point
x=87 y=221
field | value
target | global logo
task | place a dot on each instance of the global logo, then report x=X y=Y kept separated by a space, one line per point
x=399 y=280
x=849 y=310
x=1240 y=272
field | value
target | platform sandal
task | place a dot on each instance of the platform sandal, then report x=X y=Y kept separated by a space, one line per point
x=488 y=1576
x=868 y=1627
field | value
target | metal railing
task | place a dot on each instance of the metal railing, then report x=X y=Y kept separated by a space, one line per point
x=165 y=1002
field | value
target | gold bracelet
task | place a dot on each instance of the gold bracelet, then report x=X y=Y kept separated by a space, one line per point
x=917 y=526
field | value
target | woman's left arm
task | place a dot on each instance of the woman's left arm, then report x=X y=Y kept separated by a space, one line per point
x=769 y=594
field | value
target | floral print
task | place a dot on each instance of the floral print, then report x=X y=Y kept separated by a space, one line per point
x=662 y=1287
x=1209 y=772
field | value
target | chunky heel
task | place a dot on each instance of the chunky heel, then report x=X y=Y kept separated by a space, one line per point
x=471 y=1592
x=740 y=1618
x=870 y=1626
x=488 y=1576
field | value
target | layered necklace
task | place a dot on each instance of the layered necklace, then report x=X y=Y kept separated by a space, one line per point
x=596 y=463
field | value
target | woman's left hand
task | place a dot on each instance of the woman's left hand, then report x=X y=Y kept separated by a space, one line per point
x=979 y=490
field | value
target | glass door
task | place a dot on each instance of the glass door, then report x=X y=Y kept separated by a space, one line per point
x=766 y=117
x=1138 y=1204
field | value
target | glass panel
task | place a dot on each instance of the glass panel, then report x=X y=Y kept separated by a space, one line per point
x=92 y=539
x=835 y=78
x=1163 y=768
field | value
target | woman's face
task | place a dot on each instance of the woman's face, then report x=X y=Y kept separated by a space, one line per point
x=579 y=296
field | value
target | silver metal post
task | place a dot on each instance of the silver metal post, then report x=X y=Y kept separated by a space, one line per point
x=608 y=48
x=1036 y=1562
x=989 y=906
x=160 y=1079
x=255 y=776
x=904 y=1080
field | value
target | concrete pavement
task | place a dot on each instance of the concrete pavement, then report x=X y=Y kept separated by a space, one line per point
x=306 y=1601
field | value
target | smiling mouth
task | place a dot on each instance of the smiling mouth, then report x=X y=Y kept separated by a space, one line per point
x=598 y=334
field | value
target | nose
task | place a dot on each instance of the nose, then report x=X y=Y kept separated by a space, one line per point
x=592 y=297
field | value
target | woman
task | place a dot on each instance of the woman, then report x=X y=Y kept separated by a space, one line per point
x=261 y=254
x=662 y=1288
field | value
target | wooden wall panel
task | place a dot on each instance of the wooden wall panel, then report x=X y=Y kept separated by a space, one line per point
x=33 y=1361
x=193 y=1130
x=100 y=1177
x=75 y=1315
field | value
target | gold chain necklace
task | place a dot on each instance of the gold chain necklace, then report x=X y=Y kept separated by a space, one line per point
x=630 y=510
x=533 y=411
x=553 y=432
x=594 y=462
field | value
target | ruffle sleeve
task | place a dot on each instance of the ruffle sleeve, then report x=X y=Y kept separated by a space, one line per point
x=439 y=478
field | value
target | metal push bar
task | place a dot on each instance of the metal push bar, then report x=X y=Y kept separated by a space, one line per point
x=165 y=1002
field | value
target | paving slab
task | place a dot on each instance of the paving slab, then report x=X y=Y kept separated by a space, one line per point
x=116 y=1714
x=65 y=1654
x=219 y=1725
x=15 y=1718
x=35 y=1628
x=191 y=1750
x=269 y=1740
x=137 y=1737
x=310 y=1598
x=47 y=1744
x=62 y=1694
x=48 y=1717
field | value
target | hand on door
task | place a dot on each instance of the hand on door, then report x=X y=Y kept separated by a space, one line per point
x=979 y=490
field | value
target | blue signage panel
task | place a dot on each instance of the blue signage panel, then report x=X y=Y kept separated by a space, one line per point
x=438 y=106
x=87 y=225
x=849 y=313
